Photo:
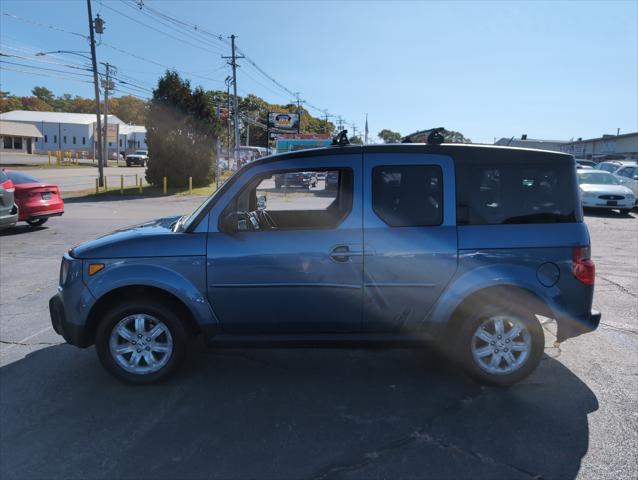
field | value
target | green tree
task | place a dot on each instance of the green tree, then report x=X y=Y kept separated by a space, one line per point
x=44 y=94
x=388 y=136
x=181 y=133
x=356 y=140
x=129 y=109
x=10 y=103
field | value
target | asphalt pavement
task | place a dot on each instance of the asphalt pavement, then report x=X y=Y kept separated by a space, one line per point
x=308 y=413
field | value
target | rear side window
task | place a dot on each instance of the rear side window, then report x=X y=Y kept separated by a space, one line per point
x=408 y=195
x=516 y=193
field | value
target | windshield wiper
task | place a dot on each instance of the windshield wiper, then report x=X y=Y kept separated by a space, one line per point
x=544 y=217
x=176 y=227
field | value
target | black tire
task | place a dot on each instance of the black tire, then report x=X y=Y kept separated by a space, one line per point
x=128 y=164
x=160 y=311
x=469 y=326
x=37 y=222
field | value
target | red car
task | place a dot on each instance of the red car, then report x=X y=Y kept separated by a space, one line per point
x=36 y=201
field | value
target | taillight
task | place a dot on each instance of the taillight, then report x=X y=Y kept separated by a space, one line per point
x=8 y=185
x=583 y=266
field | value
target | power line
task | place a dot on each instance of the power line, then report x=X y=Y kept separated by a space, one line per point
x=45 y=25
x=43 y=74
x=48 y=69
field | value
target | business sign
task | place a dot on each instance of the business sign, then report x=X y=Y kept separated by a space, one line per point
x=293 y=142
x=111 y=133
x=283 y=122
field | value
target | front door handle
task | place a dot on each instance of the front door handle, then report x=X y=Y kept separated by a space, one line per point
x=343 y=253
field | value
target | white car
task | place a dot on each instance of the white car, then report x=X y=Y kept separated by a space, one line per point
x=600 y=189
x=627 y=175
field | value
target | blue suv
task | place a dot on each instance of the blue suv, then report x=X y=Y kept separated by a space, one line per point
x=467 y=245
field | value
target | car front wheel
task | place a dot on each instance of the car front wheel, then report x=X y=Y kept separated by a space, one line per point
x=501 y=347
x=37 y=222
x=141 y=342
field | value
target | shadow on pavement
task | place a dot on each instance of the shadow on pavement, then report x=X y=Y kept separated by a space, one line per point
x=609 y=214
x=288 y=413
x=20 y=229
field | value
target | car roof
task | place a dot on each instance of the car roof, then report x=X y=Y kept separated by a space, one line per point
x=459 y=151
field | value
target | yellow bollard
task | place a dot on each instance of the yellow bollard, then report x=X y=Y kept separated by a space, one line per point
x=49 y=154
x=121 y=184
x=106 y=184
x=141 y=180
x=190 y=185
x=97 y=186
x=165 y=185
x=77 y=158
x=136 y=179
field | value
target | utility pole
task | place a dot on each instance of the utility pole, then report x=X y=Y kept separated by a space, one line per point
x=98 y=131
x=299 y=102
x=233 y=63
x=229 y=80
x=354 y=130
x=107 y=86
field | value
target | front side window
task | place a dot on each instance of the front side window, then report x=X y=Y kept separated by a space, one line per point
x=408 y=195
x=300 y=199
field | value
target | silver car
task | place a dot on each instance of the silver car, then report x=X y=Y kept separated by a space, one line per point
x=8 y=208
x=600 y=189
x=627 y=175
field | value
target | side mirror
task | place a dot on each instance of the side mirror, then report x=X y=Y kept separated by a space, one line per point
x=261 y=202
x=229 y=224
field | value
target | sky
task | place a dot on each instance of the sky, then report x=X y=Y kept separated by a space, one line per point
x=551 y=70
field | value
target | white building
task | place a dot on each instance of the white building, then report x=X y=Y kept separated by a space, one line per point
x=18 y=137
x=74 y=131
x=132 y=137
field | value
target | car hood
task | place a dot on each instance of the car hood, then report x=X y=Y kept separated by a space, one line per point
x=150 y=239
x=605 y=189
x=137 y=155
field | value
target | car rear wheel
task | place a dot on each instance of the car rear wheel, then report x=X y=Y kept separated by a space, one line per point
x=141 y=342
x=37 y=222
x=501 y=346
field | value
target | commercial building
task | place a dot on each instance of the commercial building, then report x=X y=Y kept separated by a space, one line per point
x=18 y=137
x=74 y=131
x=536 y=143
x=605 y=147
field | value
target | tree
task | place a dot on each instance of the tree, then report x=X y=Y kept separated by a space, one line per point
x=129 y=109
x=181 y=133
x=44 y=94
x=356 y=140
x=388 y=136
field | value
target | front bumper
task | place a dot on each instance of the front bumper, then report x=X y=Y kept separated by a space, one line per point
x=10 y=220
x=570 y=327
x=74 y=334
x=598 y=203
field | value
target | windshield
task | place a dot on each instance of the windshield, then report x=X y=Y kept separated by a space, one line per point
x=597 y=178
x=141 y=152
x=185 y=223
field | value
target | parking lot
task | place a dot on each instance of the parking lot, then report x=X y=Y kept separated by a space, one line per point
x=308 y=413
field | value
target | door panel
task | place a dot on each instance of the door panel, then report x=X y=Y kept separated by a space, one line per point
x=289 y=281
x=406 y=268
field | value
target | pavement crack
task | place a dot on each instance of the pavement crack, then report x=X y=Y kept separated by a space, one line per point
x=617 y=285
x=620 y=329
x=6 y=342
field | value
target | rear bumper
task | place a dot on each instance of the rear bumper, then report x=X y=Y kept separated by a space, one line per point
x=32 y=212
x=570 y=327
x=10 y=220
x=74 y=334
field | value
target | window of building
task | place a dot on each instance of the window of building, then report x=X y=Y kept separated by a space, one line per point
x=292 y=200
x=491 y=193
x=120 y=143
x=7 y=142
x=83 y=140
x=17 y=143
x=73 y=140
x=64 y=140
x=46 y=139
x=55 y=139
x=408 y=195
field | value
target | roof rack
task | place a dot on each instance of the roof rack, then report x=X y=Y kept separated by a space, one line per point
x=341 y=139
x=435 y=136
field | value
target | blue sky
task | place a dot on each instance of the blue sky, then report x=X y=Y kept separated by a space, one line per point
x=488 y=69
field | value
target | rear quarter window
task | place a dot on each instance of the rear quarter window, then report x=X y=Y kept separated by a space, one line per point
x=516 y=192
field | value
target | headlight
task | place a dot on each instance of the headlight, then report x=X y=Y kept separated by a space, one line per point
x=587 y=194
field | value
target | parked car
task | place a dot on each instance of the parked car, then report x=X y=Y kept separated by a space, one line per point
x=612 y=165
x=8 y=208
x=602 y=190
x=37 y=201
x=140 y=157
x=627 y=175
x=296 y=179
x=465 y=243
x=586 y=163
